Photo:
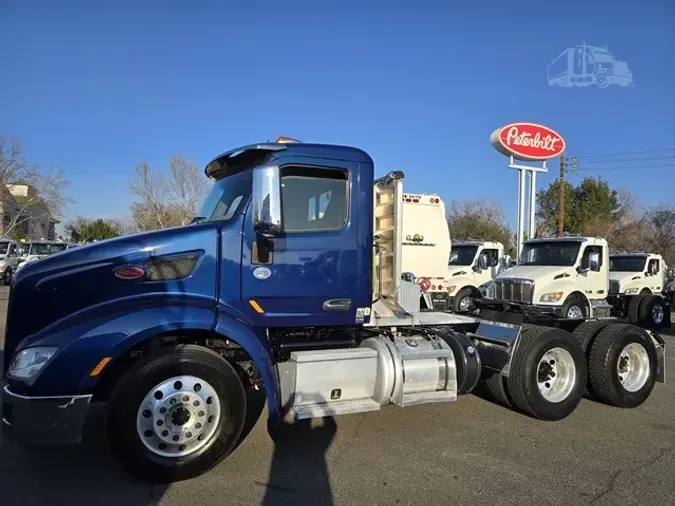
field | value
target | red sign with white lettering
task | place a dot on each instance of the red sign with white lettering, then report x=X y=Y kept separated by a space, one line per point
x=527 y=141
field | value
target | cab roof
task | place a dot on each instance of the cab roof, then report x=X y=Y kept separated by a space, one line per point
x=252 y=151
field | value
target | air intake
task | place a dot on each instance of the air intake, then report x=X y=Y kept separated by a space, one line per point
x=171 y=267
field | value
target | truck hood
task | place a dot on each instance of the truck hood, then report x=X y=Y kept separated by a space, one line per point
x=624 y=276
x=459 y=270
x=535 y=273
x=69 y=285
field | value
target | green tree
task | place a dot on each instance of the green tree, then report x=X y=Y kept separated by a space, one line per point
x=82 y=229
x=480 y=219
x=591 y=208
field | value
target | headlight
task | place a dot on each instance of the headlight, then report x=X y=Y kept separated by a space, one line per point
x=632 y=290
x=551 y=297
x=451 y=288
x=27 y=364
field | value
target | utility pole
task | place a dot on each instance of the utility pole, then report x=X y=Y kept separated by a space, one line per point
x=561 y=199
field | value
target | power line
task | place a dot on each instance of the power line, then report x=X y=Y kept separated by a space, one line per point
x=628 y=167
x=628 y=159
x=648 y=152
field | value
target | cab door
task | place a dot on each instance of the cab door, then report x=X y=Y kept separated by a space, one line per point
x=312 y=271
x=594 y=277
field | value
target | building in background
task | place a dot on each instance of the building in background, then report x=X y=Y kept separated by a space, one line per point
x=20 y=204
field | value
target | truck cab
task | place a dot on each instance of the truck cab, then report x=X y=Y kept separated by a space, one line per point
x=473 y=265
x=565 y=276
x=9 y=259
x=638 y=288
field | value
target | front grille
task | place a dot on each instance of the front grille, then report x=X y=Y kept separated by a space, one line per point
x=613 y=287
x=514 y=290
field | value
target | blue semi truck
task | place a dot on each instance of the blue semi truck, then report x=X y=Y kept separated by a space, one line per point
x=288 y=282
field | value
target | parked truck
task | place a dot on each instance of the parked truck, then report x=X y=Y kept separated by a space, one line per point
x=472 y=267
x=638 y=288
x=569 y=277
x=289 y=281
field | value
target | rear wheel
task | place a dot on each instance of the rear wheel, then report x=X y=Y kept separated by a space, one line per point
x=496 y=385
x=622 y=366
x=548 y=373
x=176 y=414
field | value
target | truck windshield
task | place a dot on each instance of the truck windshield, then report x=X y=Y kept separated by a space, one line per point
x=627 y=264
x=227 y=197
x=554 y=253
x=462 y=255
x=3 y=247
x=46 y=248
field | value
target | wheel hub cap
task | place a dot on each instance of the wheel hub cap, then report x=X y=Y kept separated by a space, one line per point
x=178 y=416
x=657 y=313
x=556 y=375
x=633 y=367
x=575 y=312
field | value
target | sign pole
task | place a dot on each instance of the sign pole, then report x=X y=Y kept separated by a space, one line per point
x=523 y=170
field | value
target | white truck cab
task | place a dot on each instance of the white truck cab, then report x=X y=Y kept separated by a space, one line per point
x=569 y=277
x=566 y=276
x=473 y=265
x=636 y=273
x=9 y=259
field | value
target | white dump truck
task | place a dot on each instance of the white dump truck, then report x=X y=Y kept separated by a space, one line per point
x=636 y=283
x=568 y=277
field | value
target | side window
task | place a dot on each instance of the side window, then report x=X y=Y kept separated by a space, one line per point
x=12 y=250
x=492 y=257
x=313 y=200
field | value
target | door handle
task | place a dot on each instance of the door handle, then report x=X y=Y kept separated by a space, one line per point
x=337 y=305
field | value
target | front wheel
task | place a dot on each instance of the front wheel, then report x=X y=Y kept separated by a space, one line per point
x=652 y=312
x=622 y=366
x=574 y=308
x=176 y=414
x=462 y=302
x=547 y=379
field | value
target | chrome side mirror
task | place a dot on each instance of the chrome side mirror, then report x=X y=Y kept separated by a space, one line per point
x=482 y=262
x=266 y=201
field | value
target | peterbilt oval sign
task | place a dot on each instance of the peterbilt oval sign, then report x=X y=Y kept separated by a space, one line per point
x=527 y=141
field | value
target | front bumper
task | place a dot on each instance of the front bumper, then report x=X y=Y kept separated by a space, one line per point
x=44 y=421
x=519 y=307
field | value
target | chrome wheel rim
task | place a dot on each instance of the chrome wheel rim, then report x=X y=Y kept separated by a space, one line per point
x=179 y=416
x=556 y=375
x=465 y=304
x=633 y=367
x=657 y=313
x=575 y=312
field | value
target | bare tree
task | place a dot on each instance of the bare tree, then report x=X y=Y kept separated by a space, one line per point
x=29 y=192
x=167 y=200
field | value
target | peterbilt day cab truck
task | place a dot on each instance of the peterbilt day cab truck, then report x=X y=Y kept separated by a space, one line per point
x=569 y=277
x=472 y=267
x=290 y=281
x=638 y=288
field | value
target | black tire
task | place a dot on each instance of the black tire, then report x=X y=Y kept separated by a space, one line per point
x=575 y=301
x=649 y=309
x=633 y=308
x=7 y=277
x=522 y=383
x=585 y=334
x=496 y=385
x=603 y=375
x=461 y=295
x=140 y=379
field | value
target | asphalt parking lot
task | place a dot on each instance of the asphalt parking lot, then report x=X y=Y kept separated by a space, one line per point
x=470 y=452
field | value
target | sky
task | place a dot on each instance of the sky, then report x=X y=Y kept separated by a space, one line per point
x=95 y=88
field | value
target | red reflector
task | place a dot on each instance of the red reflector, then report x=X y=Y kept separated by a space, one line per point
x=407 y=200
x=129 y=272
x=416 y=200
x=437 y=201
x=440 y=287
